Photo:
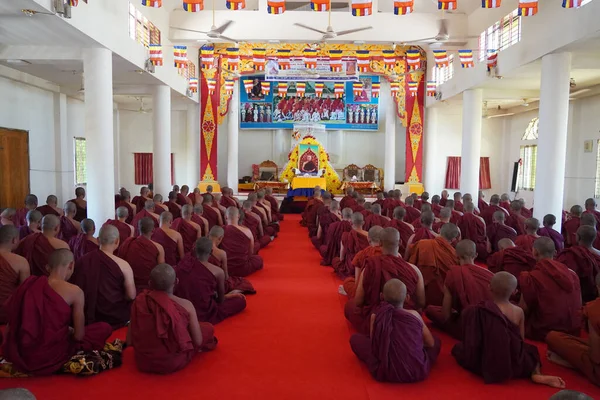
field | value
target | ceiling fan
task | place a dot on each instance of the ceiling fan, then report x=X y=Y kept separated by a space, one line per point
x=443 y=37
x=142 y=109
x=329 y=33
x=215 y=32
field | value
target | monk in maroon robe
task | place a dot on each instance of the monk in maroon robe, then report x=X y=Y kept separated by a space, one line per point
x=69 y=226
x=198 y=218
x=125 y=201
x=494 y=206
x=107 y=282
x=182 y=196
x=473 y=227
x=227 y=199
x=125 y=230
x=36 y=248
x=352 y=242
x=31 y=203
x=399 y=348
x=331 y=249
x=274 y=204
x=590 y=208
x=159 y=206
x=498 y=230
x=570 y=226
x=548 y=231
x=46 y=325
x=444 y=198
x=466 y=284
x=412 y=214
x=164 y=328
x=80 y=204
x=173 y=205
x=14 y=269
x=147 y=212
x=526 y=240
x=481 y=204
x=33 y=224
x=423 y=233
x=359 y=260
x=189 y=230
x=377 y=271
x=218 y=258
x=51 y=207
x=458 y=204
x=211 y=214
x=85 y=242
x=493 y=345
x=261 y=211
x=199 y=280
x=516 y=219
x=253 y=222
x=551 y=295
x=348 y=201
x=195 y=197
x=328 y=216
x=170 y=240
x=455 y=215
x=511 y=259
x=238 y=243
x=140 y=201
x=376 y=219
x=309 y=216
x=405 y=229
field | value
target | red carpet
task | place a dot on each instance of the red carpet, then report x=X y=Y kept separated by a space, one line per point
x=290 y=343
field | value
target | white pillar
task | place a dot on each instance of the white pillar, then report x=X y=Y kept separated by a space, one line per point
x=100 y=157
x=161 y=160
x=471 y=141
x=552 y=143
x=117 y=146
x=389 y=170
x=233 y=127
x=432 y=171
x=193 y=145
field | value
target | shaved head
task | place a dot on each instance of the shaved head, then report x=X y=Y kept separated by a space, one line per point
x=347 y=213
x=424 y=196
x=435 y=199
x=109 y=234
x=576 y=211
x=70 y=208
x=375 y=234
x=334 y=206
x=52 y=200
x=399 y=213
x=358 y=219
x=8 y=213
x=376 y=209
x=247 y=205
x=390 y=240
x=50 y=222
x=60 y=258
x=207 y=198
x=31 y=200
x=503 y=285
x=8 y=233
x=449 y=232
x=203 y=248
x=187 y=211
x=549 y=220
x=505 y=244
x=88 y=226
x=495 y=199
x=216 y=232
x=427 y=219
x=425 y=207
x=232 y=213
x=590 y=204
x=446 y=213
x=149 y=205
x=122 y=212
x=586 y=235
x=33 y=216
x=499 y=216
x=532 y=225
x=198 y=209
x=544 y=248
x=409 y=201
x=166 y=217
x=588 y=219
x=163 y=277
x=465 y=249
x=394 y=292
x=146 y=225
x=469 y=206
x=158 y=198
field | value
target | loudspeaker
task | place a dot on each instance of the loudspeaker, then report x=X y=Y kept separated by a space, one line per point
x=513 y=185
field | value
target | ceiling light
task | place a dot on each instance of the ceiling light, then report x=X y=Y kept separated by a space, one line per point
x=17 y=62
x=500 y=115
x=579 y=92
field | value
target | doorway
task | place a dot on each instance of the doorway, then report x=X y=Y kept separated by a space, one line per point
x=14 y=167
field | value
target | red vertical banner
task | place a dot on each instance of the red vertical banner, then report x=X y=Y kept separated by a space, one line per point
x=414 y=130
x=209 y=103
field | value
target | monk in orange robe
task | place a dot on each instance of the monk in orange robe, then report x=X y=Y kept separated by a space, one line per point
x=551 y=295
x=498 y=230
x=376 y=219
x=140 y=201
x=525 y=241
x=170 y=240
x=218 y=258
x=164 y=329
x=238 y=243
x=173 y=206
x=511 y=259
x=36 y=248
x=590 y=208
x=31 y=203
x=37 y=345
x=107 y=281
x=142 y=254
x=253 y=222
x=569 y=228
x=146 y=212
x=51 y=207
x=34 y=221
x=80 y=204
x=69 y=226
x=466 y=284
x=85 y=242
x=14 y=269
x=212 y=215
x=333 y=240
x=199 y=280
x=405 y=229
x=125 y=230
x=195 y=197
x=422 y=233
x=377 y=271
x=352 y=242
x=328 y=216
x=434 y=257
x=200 y=220
x=473 y=227
x=360 y=258
x=189 y=230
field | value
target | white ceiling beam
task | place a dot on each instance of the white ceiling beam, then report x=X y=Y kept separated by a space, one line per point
x=39 y=53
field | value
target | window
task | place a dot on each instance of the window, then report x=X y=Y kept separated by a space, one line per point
x=189 y=71
x=531 y=133
x=140 y=29
x=501 y=35
x=597 y=189
x=80 y=158
x=444 y=74
x=527 y=167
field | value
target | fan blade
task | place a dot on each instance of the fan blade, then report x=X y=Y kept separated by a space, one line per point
x=223 y=26
x=349 y=31
x=228 y=39
x=310 y=28
x=188 y=30
x=443 y=27
x=420 y=40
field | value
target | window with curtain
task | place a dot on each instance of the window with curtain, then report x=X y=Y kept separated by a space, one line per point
x=453 y=173
x=80 y=159
x=143 y=170
x=527 y=165
x=501 y=35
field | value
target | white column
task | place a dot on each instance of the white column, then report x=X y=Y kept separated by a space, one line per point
x=431 y=170
x=552 y=143
x=389 y=169
x=117 y=146
x=100 y=158
x=193 y=145
x=471 y=141
x=161 y=160
x=233 y=127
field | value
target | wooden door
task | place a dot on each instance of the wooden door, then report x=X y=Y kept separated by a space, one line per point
x=14 y=167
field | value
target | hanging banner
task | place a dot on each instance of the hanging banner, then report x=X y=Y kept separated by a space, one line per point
x=447 y=5
x=208 y=128
x=413 y=59
x=156 y=54
x=275 y=7
x=283 y=59
x=492 y=59
x=235 y=4
x=431 y=88
x=491 y=3
x=389 y=59
x=335 y=60
x=572 y=3
x=361 y=8
x=357 y=88
x=282 y=88
x=403 y=7
x=297 y=71
x=73 y=3
x=528 y=8
x=193 y=82
x=363 y=60
x=413 y=87
x=259 y=58
x=180 y=56
x=300 y=89
x=414 y=134
x=466 y=58
x=265 y=88
x=441 y=58
x=375 y=88
x=320 y=5
x=233 y=58
x=193 y=5
x=395 y=88
x=248 y=84
x=152 y=3
x=319 y=89
x=207 y=57
x=310 y=58
x=229 y=87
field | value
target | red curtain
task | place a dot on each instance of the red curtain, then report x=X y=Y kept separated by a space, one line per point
x=453 y=173
x=144 y=173
x=484 y=173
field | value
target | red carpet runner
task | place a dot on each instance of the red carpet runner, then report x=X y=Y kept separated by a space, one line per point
x=290 y=343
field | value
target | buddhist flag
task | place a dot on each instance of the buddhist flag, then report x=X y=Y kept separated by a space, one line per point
x=389 y=59
x=362 y=8
x=572 y=3
x=152 y=3
x=282 y=89
x=338 y=90
x=320 y=5
x=395 y=88
x=259 y=57
x=265 y=87
x=233 y=58
x=403 y=7
x=229 y=87
x=73 y=3
x=275 y=7
x=466 y=58
x=431 y=88
x=211 y=84
x=194 y=85
x=310 y=58
x=357 y=88
x=283 y=59
x=490 y=3
x=180 y=56
x=413 y=59
x=492 y=59
x=319 y=89
x=193 y=5
x=363 y=60
x=248 y=83
x=335 y=60
x=300 y=89
x=235 y=4
x=413 y=88
x=527 y=8
x=375 y=88
x=446 y=4
x=156 y=54
x=207 y=57
x=441 y=58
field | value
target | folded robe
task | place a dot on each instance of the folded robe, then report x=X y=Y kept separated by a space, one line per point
x=553 y=297
x=81 y=212
x=198 y=285
x=169 y=245
x=80 y=246
x=36 y=248
x=124 y=229
x=586 y=265
x=211 y=216
x=557 y=238
x=234 y=282
x=334 y=240
x=47 y=210
x=526 y=242
x=353 y=242
x=359 y=262
x=67 y=230
x=160 y=333
x=473 y=228
x=569 y=230
x=39 y=341
x=405 y=231
x=188 y=233
x=496 y=232
x=375 y=220
x=237 y=246
x=433 y=257
x=252 y=223
x=142 y=255
x=492 y=346
x=513 y=260
x=9 y=282
x=138 y=217
x=103 y=284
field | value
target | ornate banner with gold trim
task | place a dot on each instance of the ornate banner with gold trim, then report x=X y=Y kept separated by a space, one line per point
x=209 y=126
x=414 y=131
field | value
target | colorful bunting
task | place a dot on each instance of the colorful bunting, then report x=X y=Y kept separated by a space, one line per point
x=338 y=90
x=193 y=5
x=492 y=59
x=395 y=89
x=300 y=89
x=152 y=3
x=362 y=8
x=363 y=60
x=259 y=57
x=403 y=7
x=265 y=87
x=235 y=4
x=310 y=58
x=441 y=58
x=431 y=88
x=446 y=4
x=156 y=54
x=357 y=88
x=572 y=3
x=413 y=59
x=375 y=88
x=413 y=88
x=282 y=88
x=319 y=89
x=490 y=3
x=211 y=84
x=193 y=84
x=320 y=5
x=248 y=83
x=229 y=85
x=275 y=7
x=73 y=3
x=527 y=8
x=283 y=59
x=180 y=56
x=389 y=59
x=207 y=57
x=466 y=58
x=335 y=60
x=233 y=58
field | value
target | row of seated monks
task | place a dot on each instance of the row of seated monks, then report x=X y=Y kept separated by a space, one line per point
x=401 y=260
x=170 y=273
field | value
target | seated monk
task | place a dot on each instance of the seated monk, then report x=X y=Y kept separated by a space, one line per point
x=159 y=206
x=146 y=212
x=405 y=229
x=211 y=214
x=481 y=204
x=8 y=216
x=435 y=206
x=376 y=219
x=313 y=229
x=360 y=258
x=466 y=285
x=380 y=198
x=140 y=201
x=456 y=215
x=34 y=220
x=170 y=240
x=570 y=226
x=511 y=259
x=277 y=216
x=14 y=269
x=80 y=204
x=125 y=201
x=195 y=197
x=516 y=220
x=262 y=213
x=493 y=345
x=31 y=203
x=333 y=240
x=422 y=233
x=238 y=243
x=189 y=230
x=425 y=200
x=217 y=205
x=458 y=205
x=218 y=258
x=309 y=217
x=589 y=220
x=550 y=295
x=444 y=198
x=434 y=257
x=227 y=199
x=473 y=227
x=348 y=201
x=494 y=206
x=199 y=280
x=182 y=196
x=328 y=216
x=36 y=248
x=37 y=345
x=352 y=242
x=107 y=281
x=51 y=207
x=69 y=226
x=526 y=240
x=142 y=254
x=498 y=230
x=526 y=212
x=399 y=348
x=209 y=192
x=412 y=214
x=505 y=201
x=590 y=208
x=584 y=260
x=125 y=230
x=85 y=242
x=574 y=352
x=164 y=329
x=548 y=231
x=377 y=271
x=199 y=219
x=173 y=205
x=396 y=202
x=266 y=206
x=361 y=207
x=252 y=222
x=443 y=218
